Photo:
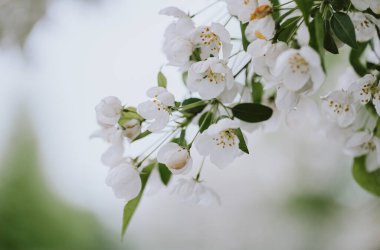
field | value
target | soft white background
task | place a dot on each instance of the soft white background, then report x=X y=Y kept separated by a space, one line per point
x=80 y=53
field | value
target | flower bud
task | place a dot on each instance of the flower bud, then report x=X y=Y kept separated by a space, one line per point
x=132 y=129
x=176 y=158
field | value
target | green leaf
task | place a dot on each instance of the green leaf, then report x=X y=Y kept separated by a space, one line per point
x=193 y=105
x=243 y=27
x=329 y=42
x=370 y=181
x=257 y=91
x=205 y=121
x=242 y=144
x=276 y=11
x=355 y=59
x=142 y=135
x=344 y=29
x=305 y=6
x=319 y=34
x=161 y=80
x=252 y=112
x=340 y=4
x=288 y=29
x=165 y=173
x=130 y=207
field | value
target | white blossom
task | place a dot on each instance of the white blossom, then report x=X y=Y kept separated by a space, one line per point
x=157 y=110
x=259 y=15
x=176 y=158
x=340 y=107
x=220 y=142
x=365 y=143
x=177 y=45
x=125 y=181
x=365 y=4
x=195 y=192
x=113 y=135
x=261 y=28
x=108 y=111
x=365 y=90
x=211 y=40
x=264 y=54
x=210 y=78
x=300 y=70
x=365 y=26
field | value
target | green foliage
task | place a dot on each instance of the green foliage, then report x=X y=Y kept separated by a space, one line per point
x=305 y=6
x=161 y=80
x=276 y=11
x=355 y=59
x=130 y=207
x=257 y=91
x=242 y=144
x=245 y=42
x=344 y=29
x=31 y=216
x=205 y=121
x=370 y=181
x=165 y=173
x=317 y=35
x=193 y=105
x=329 y=42
x=288 y=29
x=252 y=112
x=142 y=135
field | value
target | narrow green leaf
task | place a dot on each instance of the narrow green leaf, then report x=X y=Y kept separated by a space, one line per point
x=340 y=4
x=319 y=29
x=252 y=112
x=257 y=91
x=305 y=6
x=329 y=42
x=344 y=29
x=243 y=27
x=276 y=11
x=369 y=181
x=205 y=121
x=165 y=173
x=142 y=135
x=161 y=80
x=288 y=29
x=355 y=59
x=242 y=144
x=193 y=105
x=130 y=207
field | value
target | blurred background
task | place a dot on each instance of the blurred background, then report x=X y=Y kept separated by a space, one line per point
x=58 y=58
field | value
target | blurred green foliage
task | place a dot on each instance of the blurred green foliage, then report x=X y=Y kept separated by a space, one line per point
x=31 y=216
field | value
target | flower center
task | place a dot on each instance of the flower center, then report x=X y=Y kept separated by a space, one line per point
x=214 y=77
x=160 y=106
x=261 y=12
x=210 y=39
x=226 y=138
x=368 y=91
x=369 y=146
x=338 y=108
x=246 y=2
x=298 y=64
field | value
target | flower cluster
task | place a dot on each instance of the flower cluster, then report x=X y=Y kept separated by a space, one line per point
x=236 y=84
